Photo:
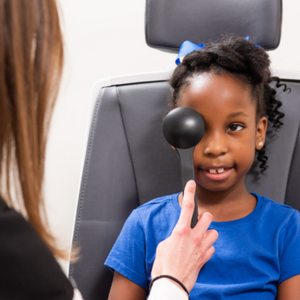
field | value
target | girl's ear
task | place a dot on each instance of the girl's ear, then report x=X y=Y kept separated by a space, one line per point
x=261 y=130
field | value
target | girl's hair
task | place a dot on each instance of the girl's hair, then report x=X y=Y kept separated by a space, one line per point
x=247 y=63
x=31 y=61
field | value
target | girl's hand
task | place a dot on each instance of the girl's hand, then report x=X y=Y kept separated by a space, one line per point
x=183 y=254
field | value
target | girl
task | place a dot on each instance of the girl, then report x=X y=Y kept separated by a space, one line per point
x=256 y=255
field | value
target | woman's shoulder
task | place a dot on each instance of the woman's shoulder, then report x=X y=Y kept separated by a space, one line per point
x=12 y=225
x=15 y=230
x=23 y=254
x=17 y=235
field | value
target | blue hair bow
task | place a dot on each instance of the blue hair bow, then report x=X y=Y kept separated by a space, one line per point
x=188 y=47
x=247 y=39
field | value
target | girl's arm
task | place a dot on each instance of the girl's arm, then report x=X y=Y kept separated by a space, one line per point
x=289 y=289
x=124 y=289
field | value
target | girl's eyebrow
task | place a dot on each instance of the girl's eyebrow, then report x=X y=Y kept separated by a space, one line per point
x=240 y=113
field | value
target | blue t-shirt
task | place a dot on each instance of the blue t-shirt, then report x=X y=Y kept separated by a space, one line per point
x=252 y=255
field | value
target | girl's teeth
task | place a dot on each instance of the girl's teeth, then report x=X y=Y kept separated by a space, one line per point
x=216 y=171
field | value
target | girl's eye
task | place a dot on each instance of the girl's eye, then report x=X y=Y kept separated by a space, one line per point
x=235 y=127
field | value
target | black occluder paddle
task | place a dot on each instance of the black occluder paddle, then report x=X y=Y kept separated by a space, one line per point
x=183 y=128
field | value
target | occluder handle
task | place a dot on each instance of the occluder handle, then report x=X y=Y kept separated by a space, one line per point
x=187 y=173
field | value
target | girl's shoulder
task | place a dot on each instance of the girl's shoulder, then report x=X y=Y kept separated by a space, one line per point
x=156 y=210
x=271 y=204
x=278 y=211
x=159 y=203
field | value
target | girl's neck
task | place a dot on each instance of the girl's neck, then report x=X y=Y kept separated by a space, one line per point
x=229 y=205
x=232 y=204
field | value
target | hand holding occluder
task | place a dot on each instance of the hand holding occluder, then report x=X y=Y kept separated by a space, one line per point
x=183 y=254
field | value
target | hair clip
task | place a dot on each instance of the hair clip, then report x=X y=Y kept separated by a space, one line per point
x=247 y=39
x=188 y=47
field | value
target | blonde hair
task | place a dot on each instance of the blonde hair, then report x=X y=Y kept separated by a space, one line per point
x=31 y=62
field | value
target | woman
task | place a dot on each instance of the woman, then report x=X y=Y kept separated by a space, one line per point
x=31 y=60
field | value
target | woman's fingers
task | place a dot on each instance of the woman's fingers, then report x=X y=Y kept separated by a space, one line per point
x=203 y=224
x=188 y=205
x=200 y=216
x=186 y=250
x=208 y=254
x=210 y=237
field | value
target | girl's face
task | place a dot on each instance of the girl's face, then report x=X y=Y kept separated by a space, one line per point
x=226 y=152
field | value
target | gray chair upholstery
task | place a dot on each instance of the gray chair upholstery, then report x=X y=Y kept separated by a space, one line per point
x=128 y=162
x=170 y=22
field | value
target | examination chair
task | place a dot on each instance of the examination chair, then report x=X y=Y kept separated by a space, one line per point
x=127 y=160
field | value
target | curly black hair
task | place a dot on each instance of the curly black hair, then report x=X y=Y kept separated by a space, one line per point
x=247 y=63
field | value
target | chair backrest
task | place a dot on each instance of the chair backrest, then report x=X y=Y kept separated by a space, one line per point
x=170 y=22
x=128 y=162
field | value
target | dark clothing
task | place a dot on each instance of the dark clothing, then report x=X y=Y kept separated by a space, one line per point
x=28 y=270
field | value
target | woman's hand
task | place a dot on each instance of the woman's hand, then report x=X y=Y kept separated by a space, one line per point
x=183 y=254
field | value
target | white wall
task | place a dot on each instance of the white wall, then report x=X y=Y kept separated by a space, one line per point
x=106 y=38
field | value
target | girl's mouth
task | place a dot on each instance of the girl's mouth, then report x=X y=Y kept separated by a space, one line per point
x=218 y=173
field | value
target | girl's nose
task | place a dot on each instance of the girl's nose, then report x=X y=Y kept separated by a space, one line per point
x=215 y=144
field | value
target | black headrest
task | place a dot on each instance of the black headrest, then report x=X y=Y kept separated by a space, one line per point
x=171 y=22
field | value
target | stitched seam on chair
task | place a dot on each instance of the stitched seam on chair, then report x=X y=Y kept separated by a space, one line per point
x=125 y=133
x=84 y=177
x=288 y=180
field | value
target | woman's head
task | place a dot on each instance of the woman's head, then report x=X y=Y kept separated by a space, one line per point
x=31 y=60
x=246 y=63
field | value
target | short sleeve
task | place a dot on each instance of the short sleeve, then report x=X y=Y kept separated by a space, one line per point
x=127 y=256
x=289 y=256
